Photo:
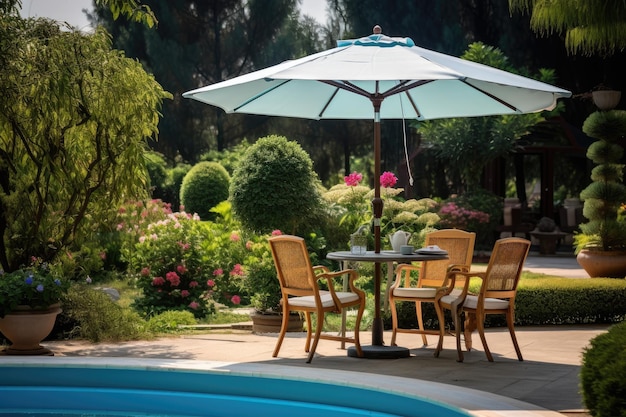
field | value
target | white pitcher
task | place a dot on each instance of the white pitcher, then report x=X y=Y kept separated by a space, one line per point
x=398 y=239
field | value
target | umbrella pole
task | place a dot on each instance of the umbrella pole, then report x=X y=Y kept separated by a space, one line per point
x=377 y=207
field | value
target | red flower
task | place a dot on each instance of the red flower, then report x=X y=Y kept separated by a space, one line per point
x=184 y=293
x=145 y=271
x=353 y=179
x=173 y=278
x=237 y=270
x=235 y=299
x=181 y=269
x=193 y=284
x=156 y=281
x=387 y=179
x=276 y=232
x=210 y=283
x=194 y=305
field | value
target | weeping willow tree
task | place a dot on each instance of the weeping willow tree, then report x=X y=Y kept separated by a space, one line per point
x=590 y=26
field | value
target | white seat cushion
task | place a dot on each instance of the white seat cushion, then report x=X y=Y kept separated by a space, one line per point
x=415 y=292
x=327 y=300
x=471 y=301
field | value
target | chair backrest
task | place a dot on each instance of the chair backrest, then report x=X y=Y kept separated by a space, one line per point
x=293 y=265
x=505 y=267
x=460 y=247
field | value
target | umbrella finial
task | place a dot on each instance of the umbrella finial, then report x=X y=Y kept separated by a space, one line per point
x=377 y=30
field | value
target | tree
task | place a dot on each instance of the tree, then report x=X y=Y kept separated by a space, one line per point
x=75 y=116
x=468 y=144
x=590 y=26
x=198 y=43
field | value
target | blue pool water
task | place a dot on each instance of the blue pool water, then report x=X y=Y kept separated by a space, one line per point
x=95 y=388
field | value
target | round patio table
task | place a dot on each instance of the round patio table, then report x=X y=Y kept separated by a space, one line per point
x=378 y=350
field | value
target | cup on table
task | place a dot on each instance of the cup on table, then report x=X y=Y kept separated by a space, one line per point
x=406 y=249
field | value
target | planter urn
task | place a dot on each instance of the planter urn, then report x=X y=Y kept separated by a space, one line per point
x=26 y=328
x=603 y=264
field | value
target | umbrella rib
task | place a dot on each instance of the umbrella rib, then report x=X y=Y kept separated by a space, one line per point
x=346 y=85
x=504 y=103
x=251 y=99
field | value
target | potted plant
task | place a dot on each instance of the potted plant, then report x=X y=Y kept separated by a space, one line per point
x=29 y=304
x=601 y=245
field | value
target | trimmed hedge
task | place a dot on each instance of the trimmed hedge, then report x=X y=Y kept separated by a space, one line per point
x=542 y=301
x=204 y=187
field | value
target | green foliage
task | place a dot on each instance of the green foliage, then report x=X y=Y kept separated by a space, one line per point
x=173 y=183
x=204 y=186
x=74 y=120
x=170 y=321
x=602 y=373
x=466 y=145
x=274 y=187
x=170 y=267
x=604 y=197
x=157 y=172
x=35 y=286
x=592 y=27
x=89 y=313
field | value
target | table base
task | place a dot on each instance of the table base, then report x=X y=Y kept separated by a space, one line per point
x=380 y=352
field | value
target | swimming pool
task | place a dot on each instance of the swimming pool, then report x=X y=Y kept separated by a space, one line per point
x=120 y=386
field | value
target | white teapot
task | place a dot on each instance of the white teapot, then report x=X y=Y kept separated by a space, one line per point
x=399 y=239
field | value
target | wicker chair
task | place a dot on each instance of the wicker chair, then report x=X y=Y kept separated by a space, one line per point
x=299 y=282
x=496 y=296
x=431 y=276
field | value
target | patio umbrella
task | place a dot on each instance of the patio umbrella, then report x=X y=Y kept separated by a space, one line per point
x=379 y=77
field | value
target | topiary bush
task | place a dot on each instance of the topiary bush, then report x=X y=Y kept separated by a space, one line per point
x=602 y=373
x=274 y=187
x=204 y=186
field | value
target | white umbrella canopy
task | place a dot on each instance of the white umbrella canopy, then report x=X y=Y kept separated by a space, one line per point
x=379 y=77
x=413 y=83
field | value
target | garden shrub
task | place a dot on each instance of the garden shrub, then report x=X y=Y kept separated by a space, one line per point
x=169 y=321
x=157 y=172
x=173 y=183
x=274 y=187
x=89 y=313
x=602 y=373
x=169 y=263
x=204 y=186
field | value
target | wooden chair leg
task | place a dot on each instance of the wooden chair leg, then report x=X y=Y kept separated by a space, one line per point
x=456 y=316
x=509 y=323
x=394 y=322
x=307 y=343
x=481 y=331
x=420 y=321
x=442 y=329
x=357 y=331
x=283 y=330
x=318 y=332
x=468 y=329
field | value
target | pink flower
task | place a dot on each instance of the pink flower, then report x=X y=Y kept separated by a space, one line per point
x=193 y=284
x=237 y=270
x=276 y=232
x=234 y=236
x=387 y=179
x=183 y=246
x=145 y=271
x=353 y=179
x=181 y=269
x=184 y=293
x=249 y=245
x=194 y=305
x=210 y=283
x=173 y=278
x=121 y=210
x=103 y=255
x=218 y=272
x=157 y=281
x=120 y=226
x=235 y=299
x=142 y=239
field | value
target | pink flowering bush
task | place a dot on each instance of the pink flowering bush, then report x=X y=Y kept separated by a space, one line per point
x=455 y=216
x=171 y=260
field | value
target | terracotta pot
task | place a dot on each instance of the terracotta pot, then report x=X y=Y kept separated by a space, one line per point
x=26 y=328
x=270 y=323
x=603 y=264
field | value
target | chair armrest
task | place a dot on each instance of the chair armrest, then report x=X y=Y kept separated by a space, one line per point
x=352 y=276
x=398 y=276
x=459 y=267
x=320 y=269
x=451 y=279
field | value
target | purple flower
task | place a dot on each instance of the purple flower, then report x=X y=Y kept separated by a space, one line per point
x=40 y=288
